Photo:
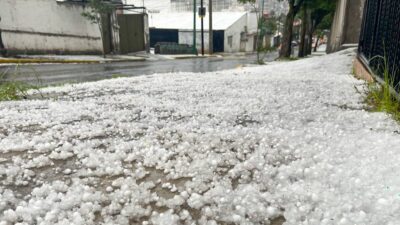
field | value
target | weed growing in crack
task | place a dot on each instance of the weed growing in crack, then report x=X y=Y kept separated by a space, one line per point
x=12 y=90
x=382 y=97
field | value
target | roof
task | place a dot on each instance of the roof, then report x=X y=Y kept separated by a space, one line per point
x=184 y=20
x=152 y=5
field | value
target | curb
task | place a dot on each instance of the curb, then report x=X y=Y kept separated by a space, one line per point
x=65 y=61
x=124 y=60
x=26 y=61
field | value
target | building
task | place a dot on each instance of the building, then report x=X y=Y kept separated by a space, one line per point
x=218 y=5
x=152 y=6
x=270 y=6
x=233 y=31
x=234 y=24
x=57 y=26
x=346 y=25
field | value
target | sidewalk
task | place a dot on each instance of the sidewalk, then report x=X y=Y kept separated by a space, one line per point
x=62 y=59
x=289 y=141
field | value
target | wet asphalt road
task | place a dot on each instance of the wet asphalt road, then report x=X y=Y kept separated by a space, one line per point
x=53 y=74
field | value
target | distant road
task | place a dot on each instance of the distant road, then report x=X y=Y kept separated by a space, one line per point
x=51 y=74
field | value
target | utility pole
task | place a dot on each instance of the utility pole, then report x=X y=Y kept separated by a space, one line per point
x=210 y=30
x=202 y=26
x=194 y=27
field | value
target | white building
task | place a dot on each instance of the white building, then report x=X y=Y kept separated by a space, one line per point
x=234 y=24
x=233 y=31
x=275 y=6
x=152 y=6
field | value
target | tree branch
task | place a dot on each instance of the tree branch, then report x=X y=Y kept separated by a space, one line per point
x=296 y=8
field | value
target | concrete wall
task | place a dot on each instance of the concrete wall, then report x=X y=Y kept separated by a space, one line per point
x=235 y=31
x=47 y=26
x=346 y=25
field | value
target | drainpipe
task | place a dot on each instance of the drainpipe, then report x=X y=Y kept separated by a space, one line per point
x=194 y=27
x=202 y=29
x=210 y=29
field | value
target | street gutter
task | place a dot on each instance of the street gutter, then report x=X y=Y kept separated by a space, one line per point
x=63 y=61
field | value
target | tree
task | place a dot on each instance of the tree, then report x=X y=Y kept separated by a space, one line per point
x=264 y=26
x=304 y=25
x=3 y=50
x=316 y=14
x=98 y=11
x=294 y=8
x=323 y=17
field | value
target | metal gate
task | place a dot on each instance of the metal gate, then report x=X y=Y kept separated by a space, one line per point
x=131 y=33
x=163 y=35
x=380 y=36
x=218 y=40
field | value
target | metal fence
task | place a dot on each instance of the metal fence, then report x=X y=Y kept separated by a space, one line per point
x=380 y=37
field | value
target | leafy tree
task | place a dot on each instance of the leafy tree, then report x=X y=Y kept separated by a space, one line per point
x=98 y=11
x=326 y=22
x=3 y=50
x=294 y=8
x=264 y=26
x=259 y=16
x=305 y=22
x=270 y=25
x=316 y=14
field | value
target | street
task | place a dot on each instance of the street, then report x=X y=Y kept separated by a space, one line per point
x=53 y=74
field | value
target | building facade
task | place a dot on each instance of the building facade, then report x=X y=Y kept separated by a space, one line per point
x=232 y=31
x=57 y=26
x=47 y=26
x=270 y=6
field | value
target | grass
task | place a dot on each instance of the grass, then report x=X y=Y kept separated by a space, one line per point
x=11 y=90
x=382 y=97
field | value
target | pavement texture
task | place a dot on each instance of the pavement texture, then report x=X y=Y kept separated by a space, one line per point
x=285 y=143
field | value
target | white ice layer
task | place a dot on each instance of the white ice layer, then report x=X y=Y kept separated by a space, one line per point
x=288 y=141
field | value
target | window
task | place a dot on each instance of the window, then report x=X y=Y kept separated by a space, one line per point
x=243 y=36
x=230 y=41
